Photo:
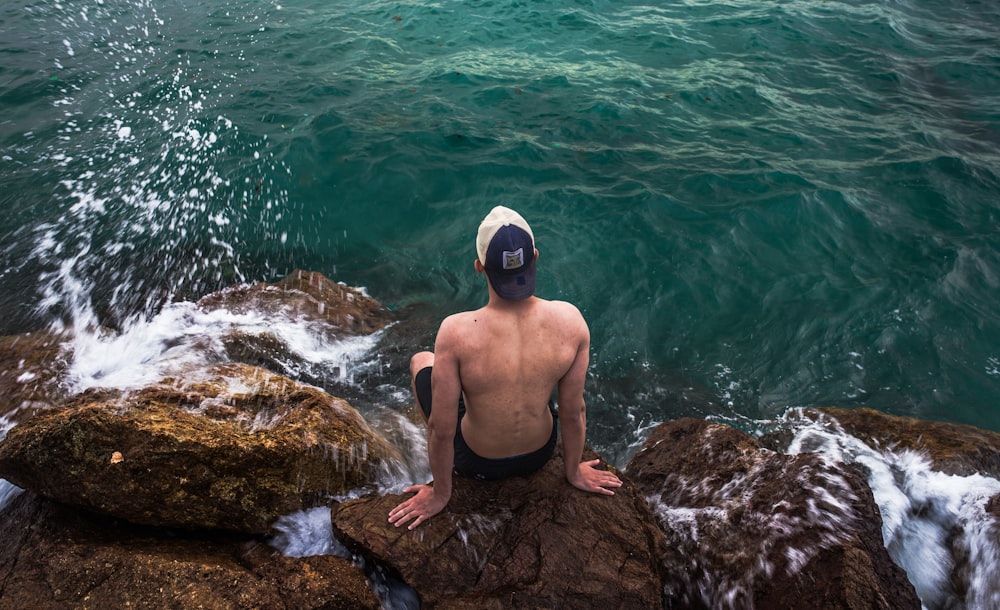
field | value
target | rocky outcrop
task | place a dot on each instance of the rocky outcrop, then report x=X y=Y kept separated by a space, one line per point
x=751 y=527
x=308 y=296
x=232 y=447
x=54 y=557
x=330 y=310
x=156 y=497
x=952 y=448
x=177 y=482
x=532 y=542
x=938 y=487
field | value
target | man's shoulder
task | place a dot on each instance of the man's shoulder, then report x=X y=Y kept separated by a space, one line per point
x=461 y=317
x=458 y=321
x=564 y=310
x=563 y=306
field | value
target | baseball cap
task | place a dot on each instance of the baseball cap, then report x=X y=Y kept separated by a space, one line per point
x=506 y=249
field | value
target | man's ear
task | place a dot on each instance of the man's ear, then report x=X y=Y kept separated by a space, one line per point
x=536 y=255
x=479 y=267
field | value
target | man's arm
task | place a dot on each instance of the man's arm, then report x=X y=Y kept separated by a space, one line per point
x=573 y=419
x=446 y=388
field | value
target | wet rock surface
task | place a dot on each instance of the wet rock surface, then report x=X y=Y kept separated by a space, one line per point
x=205 y=460
x=231 y=447
x=56 y=557
x=31 y=367
x=952 y=448
x=329 y=310
x=157 y=497
x=939 y=490
x=751 y=527
x=525 y=542
x=338 y=310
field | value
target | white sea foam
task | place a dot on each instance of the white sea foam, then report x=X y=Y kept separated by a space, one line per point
x=8 y=492
x=934 y=525
x=411 y=440
x=190 y=195
x=308 y=532
x=184 y=335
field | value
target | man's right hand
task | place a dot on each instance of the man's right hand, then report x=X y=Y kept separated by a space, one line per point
x=594 y=480
x=421 y=507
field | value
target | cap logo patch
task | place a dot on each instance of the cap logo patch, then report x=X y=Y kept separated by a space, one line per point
x=513 y=260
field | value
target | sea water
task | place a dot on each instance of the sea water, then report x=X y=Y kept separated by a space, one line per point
x=756 y=205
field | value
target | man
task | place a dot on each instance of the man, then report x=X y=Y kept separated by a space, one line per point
x=486 y=389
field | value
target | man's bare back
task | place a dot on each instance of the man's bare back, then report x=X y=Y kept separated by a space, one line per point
x=504 y=359
x=510 y=357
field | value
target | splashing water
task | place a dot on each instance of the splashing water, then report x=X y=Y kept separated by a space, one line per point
x=183 y=335
x=770 y=540
x=310 y=532
x=934 y=525
x=307 y=533
x=155 y=192
x=153 y=180
x=8 y=492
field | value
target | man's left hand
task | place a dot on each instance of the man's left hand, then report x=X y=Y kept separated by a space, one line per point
x=594 y=480
x=421 y=507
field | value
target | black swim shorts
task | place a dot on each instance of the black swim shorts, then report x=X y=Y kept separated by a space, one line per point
x=473 y=466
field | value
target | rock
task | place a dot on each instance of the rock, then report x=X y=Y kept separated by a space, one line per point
x=525 y=542
x=55 y=557
x=31 y=368
x=308 y=296
x=938 y=491
x=752 y=527
x=332 y=312
x=953 y=448
x=232 y=448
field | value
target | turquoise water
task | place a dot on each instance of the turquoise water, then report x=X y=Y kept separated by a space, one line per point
x=756 y=205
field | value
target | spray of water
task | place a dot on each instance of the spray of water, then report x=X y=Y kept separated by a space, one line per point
x=155 y=193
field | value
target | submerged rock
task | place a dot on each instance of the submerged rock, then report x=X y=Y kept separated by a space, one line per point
x=55 y=557
x=232 y=447
x=753 y=528
x=525 y=542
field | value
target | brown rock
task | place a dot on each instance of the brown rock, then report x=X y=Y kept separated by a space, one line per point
x=307 y=296
x=31 y=367
x=993 y=507
x=953 y=448
x=54 y=557
x=332 y=311
x=756 y=528
x=233 y=448
x=531 y=542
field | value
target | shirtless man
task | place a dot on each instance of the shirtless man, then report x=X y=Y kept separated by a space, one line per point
x=486 y=389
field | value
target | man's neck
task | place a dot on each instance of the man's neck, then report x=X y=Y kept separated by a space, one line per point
x=498 y=302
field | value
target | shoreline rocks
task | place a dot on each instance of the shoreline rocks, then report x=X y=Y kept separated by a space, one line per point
x=166 y=492
x=524 y=542
x=230 y=447
x=953 y=448
x=31 y=369
x=758 y=528
x=55 y=557
x=161 y=495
